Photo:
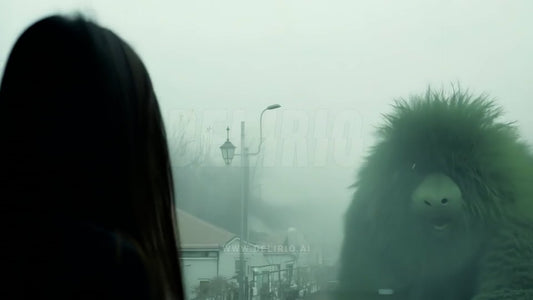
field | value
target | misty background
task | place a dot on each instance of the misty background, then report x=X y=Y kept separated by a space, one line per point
x=334 y=66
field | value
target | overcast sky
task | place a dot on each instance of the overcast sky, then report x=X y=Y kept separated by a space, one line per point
x=334 y=66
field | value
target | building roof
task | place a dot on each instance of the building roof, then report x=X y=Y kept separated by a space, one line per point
x=196 y=233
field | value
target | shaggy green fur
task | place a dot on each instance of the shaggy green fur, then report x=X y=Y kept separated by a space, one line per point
x=475 y=140
x=506 y=270
x=472 y=141
x=462 y=136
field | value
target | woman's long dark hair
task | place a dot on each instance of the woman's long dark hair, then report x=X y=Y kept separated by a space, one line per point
x=82 y=138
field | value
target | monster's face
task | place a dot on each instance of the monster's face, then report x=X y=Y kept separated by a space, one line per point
x=434 y=233
x=438 y=202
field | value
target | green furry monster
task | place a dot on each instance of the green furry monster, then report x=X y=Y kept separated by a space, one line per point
x=443 y=206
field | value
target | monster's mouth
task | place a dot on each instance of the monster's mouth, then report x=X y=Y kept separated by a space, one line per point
x=441 y=224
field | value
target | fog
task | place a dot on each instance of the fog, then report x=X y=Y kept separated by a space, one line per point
x=334 y=67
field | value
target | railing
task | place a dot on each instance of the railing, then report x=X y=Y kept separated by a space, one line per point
x=288 y=284
x=276 y=284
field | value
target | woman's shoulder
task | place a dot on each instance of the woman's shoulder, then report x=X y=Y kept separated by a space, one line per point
x=106 y=264
x=67 y=259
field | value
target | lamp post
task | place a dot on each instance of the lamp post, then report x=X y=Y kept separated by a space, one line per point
x=228 y=152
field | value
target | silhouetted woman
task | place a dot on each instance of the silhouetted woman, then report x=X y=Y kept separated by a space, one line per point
x=85 y=180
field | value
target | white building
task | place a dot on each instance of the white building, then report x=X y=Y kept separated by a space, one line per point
x=200 y=249
x=209 y=252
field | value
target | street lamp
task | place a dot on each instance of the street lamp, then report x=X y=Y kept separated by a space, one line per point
x=228 y=152
x=228 y=149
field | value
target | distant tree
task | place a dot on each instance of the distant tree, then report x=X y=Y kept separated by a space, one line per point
x=187 y=148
